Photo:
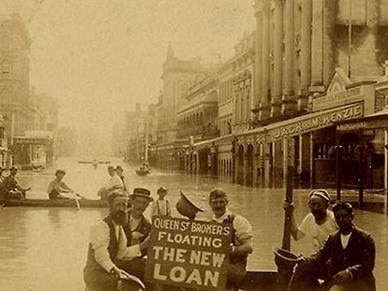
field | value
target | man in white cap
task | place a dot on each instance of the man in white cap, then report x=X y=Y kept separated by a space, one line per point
x=318 y=224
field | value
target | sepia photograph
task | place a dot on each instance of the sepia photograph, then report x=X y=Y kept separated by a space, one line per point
x=193 y=145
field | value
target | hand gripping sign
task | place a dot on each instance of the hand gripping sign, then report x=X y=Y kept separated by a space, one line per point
x=188 y=253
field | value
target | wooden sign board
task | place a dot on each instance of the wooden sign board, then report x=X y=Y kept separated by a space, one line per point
x=188 y=253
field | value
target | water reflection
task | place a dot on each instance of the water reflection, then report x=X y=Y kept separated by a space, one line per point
x=45 y=249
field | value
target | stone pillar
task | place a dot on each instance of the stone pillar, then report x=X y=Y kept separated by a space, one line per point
x=288 y=157
x=276 y=90
x=265 y=62
x=317 y=43
x=328 y=30
x=386 y=170
x=267 y=164
x=304 y=157
x=258 y=52
x=277 y=155
x=312 y=165
x=305 y=57
x=288 y=99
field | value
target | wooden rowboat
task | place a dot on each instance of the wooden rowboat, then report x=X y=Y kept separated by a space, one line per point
x=83 y=203
x=140 y=172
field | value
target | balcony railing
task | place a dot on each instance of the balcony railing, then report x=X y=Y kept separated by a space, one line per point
x=205 y=131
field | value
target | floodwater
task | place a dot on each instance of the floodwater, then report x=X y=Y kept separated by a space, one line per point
x=45 y=249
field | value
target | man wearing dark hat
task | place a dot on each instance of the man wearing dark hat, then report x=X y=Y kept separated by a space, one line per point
x=349 y=254
x=137 y=228
x=319 y=223
x=108 y=247
x=120 y=174
x=12 y=187
x=241 y=236
x=57 y=186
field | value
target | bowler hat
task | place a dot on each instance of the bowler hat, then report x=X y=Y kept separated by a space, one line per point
x=186 y=207
x=141 y=192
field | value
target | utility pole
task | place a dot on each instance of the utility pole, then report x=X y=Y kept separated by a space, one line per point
x=350 y=36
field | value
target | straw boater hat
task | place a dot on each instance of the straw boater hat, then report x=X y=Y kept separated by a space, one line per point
x=141 y=192
x=186 y=207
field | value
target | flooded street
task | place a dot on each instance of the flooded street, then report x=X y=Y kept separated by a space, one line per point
x=45 y=249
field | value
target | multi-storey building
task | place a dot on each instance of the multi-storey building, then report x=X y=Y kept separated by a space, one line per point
x=316 y=64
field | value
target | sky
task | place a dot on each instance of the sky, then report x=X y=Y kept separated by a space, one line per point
x=100 y=57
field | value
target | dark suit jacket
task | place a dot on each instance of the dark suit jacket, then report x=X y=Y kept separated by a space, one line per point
x=358 y=256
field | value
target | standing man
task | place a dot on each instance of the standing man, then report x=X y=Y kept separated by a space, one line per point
x=108 y=245
x=162 y=205
x=119 y=172
x=137 y=229
x=12 y=187
x=241 y=236
x=349 y=253
x=318 y=224
x=111 y=184
x=57 y=186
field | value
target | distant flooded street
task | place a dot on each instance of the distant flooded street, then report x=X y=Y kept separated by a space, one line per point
x=45 y=249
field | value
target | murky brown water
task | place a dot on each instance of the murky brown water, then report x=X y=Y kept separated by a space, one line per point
x=45 y=249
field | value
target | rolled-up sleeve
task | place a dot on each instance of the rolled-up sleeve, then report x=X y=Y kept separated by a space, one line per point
x=99 y=239
x=243 y=229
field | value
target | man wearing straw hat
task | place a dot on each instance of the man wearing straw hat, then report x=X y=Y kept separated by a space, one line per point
x=241 y=236
x=108 y=247
x=318 y=224
x=137 y=229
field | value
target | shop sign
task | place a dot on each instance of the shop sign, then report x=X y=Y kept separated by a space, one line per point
x=317 y=121
x=336 y=99
x=351 y=126
x=188 y=253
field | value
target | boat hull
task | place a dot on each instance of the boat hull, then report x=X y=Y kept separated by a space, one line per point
x=71 y=203
x=142 y=173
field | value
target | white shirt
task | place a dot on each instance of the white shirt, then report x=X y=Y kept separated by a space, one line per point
x=345 y=240
x=242 y=227
x=99 y=238
x=114 y=181
x=161 y=207
x=318 y=233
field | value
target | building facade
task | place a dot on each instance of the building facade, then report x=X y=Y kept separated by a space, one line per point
x=312 y=66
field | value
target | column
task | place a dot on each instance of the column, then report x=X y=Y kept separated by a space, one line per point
x=386 y=170
x=276 y=91
x=288 y=99
x=317 y=43
x=305 y=56
x=265 y=62
x=258 y=52
x=304 y=157
x=312 y=165
x=277 y=153
x=288 y=157
x=267 y=164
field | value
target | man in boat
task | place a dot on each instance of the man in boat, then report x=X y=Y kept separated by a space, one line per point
x=57 y=186
x=349 y=254
x=318 y=224
x=12 y=187
x=137 y=228
x=119 y=172
x=108 y=247
x=241 y=236
x=111 y=184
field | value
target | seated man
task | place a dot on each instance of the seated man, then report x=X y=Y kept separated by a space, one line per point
x=349 y=254
x=241 y=238
x=108 y=245
x=318 y=224
x=112 y=183
x=12 y=187
x=137 y=229
x=57 y=186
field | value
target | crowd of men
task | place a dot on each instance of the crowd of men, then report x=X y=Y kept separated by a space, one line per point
x=343 y=257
